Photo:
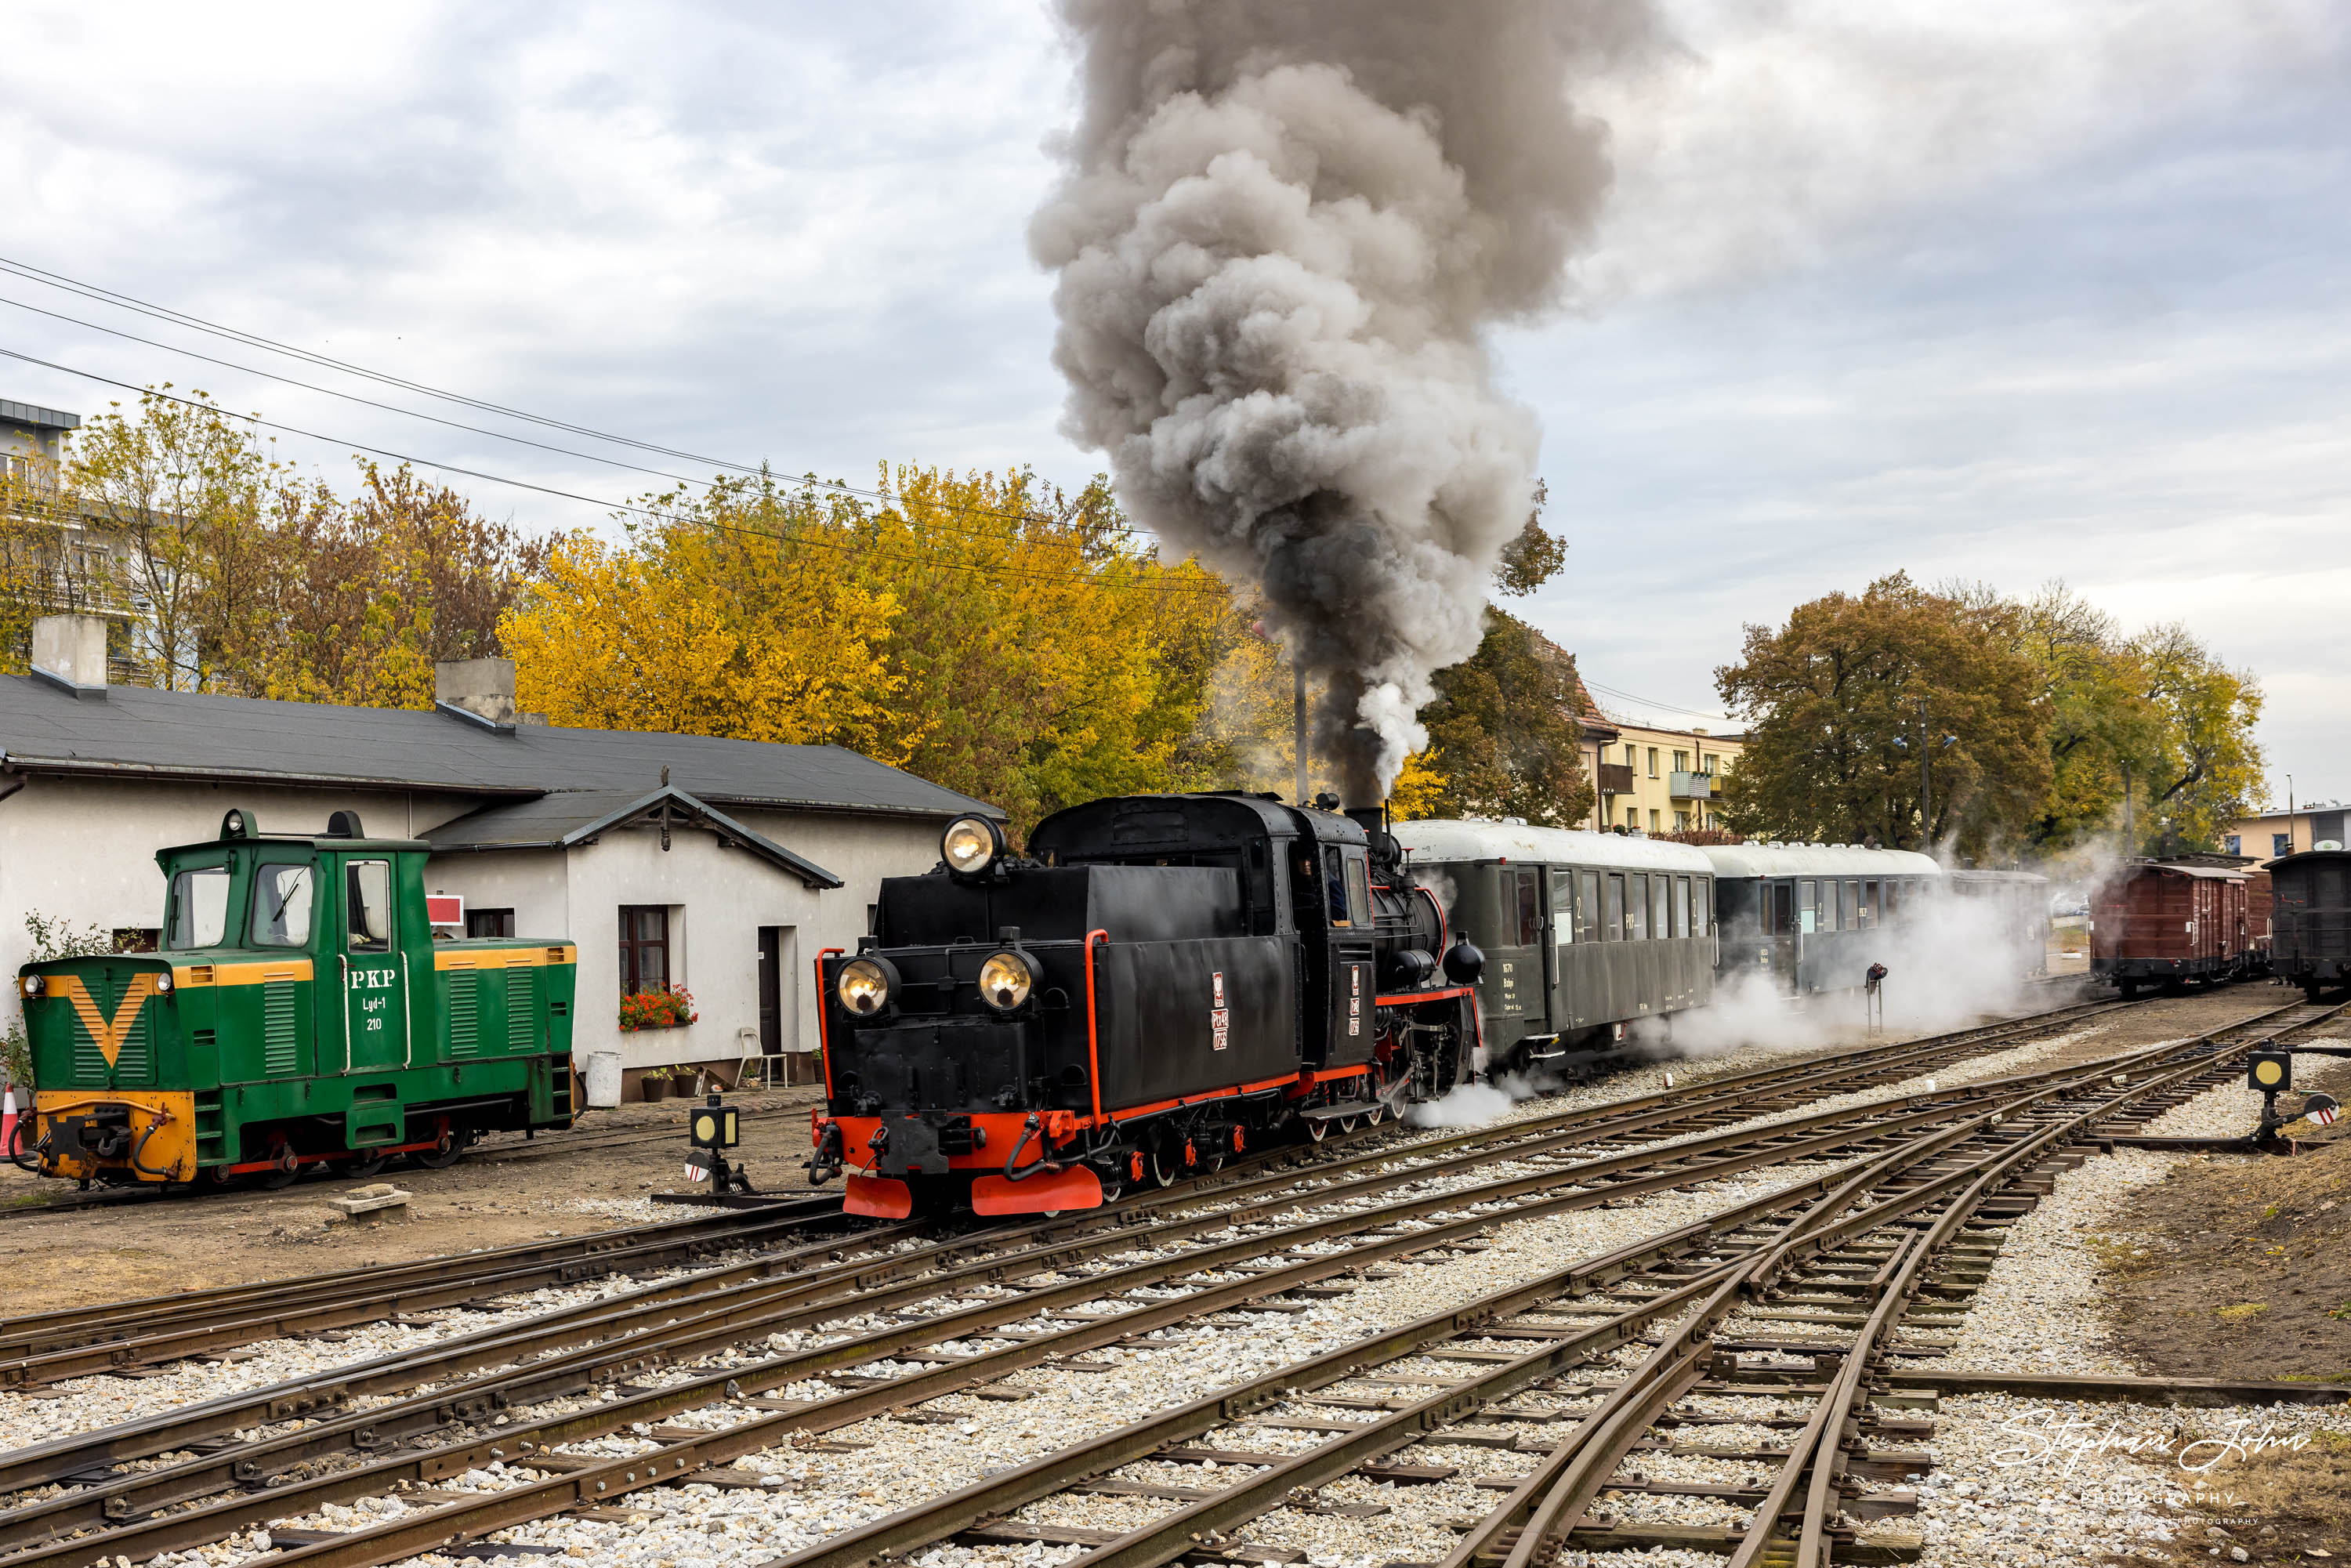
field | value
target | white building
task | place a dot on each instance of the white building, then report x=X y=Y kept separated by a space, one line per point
x=721 y=866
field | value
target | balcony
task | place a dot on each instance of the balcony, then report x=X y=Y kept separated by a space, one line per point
x=1690 y=785
x=1616 y=778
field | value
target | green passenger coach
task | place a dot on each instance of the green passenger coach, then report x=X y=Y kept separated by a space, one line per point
x=299 y=1013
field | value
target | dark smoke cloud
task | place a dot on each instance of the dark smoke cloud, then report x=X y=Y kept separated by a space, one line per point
x=1285 y=225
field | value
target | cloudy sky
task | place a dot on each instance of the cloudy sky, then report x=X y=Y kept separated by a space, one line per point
x=2011 y=291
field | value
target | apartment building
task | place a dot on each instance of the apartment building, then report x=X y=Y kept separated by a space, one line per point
x=1658 y=781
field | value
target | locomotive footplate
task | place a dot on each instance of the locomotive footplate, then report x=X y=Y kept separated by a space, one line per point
x=1348 y=1108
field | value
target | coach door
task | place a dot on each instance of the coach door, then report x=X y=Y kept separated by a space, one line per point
x=375 y=996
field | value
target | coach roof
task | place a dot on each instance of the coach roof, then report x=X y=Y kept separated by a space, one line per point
x=1443 y=842
x=136 y=732
x=1817 y=859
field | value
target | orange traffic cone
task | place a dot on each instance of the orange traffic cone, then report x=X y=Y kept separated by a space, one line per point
x=8 y=1120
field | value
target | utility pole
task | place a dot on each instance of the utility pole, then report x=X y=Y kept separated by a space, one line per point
x=1298 y=722
x=2130 y=835
x=2292 y=845
x=1926 y=791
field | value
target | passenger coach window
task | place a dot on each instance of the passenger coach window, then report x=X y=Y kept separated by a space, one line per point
x=1563 y=908
x=1681 y=906
x=199 y=912
x=1783 y=919
x=367 y=905
x=1852 y=907
x=1661 y=902
x=1587 y=906
x=281 y=906
x=1808 y=902
x=1636 y=907
x=1868 y=904
x=1615 y=931
x=1702 y=907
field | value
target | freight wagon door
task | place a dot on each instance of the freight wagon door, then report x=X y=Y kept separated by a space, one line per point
x=375 y=993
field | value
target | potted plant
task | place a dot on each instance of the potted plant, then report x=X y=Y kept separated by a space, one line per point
x=654 y=1082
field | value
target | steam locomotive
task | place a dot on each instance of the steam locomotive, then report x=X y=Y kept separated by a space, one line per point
x=1163 y=981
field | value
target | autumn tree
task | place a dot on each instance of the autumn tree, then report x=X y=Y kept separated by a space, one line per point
x=1502 y=733
x=1900 y=717
x=989 y=632
x=2196 y=768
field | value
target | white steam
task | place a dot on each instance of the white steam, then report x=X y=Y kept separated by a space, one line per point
x=1284 y=229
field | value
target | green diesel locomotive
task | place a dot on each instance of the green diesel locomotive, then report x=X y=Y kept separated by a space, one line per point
x=299 y=1013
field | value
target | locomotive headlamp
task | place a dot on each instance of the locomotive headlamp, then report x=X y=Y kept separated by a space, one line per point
x=1006 y=980
x=865 y=985
x=35 y=985
x=970 y=845
x=2269 y=1070
x=163 y=983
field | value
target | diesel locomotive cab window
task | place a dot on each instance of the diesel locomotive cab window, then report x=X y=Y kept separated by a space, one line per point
x=199 y=912
x=281 y=906
x=367 y=905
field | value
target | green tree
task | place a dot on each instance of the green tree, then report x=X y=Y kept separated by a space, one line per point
x=1502 y=733
x=1904 y=718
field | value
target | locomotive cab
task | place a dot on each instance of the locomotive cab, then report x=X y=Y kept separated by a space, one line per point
x=299 y=1011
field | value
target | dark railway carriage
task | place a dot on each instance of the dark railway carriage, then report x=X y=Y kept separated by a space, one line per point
x=1814 y=917
x=1582 y=932
x=299 y=1014
x=1170 y=978
x=2158 y=923
x=2311 y=919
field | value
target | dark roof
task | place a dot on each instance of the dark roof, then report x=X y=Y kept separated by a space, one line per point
x=38 y=417
x=137 y=732
x=575 y=817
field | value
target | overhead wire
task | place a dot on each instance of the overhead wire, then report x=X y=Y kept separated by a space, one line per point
x=1023 y=573
x=101 y=295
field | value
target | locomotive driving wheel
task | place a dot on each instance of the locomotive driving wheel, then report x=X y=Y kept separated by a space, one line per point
x=1318 y=1128
x=365 y=1165
x=1167 y=1161
x=284 y=1168
x=447 y=1152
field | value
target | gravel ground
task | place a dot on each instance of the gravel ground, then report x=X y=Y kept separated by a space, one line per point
x=814 y=1494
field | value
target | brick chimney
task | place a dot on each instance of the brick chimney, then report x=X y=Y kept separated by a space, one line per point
x=69 y=652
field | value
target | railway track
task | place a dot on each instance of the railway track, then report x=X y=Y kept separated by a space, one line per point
x=149 y=1332
x=1560 y=1171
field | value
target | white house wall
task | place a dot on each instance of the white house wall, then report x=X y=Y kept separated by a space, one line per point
x=84 y=851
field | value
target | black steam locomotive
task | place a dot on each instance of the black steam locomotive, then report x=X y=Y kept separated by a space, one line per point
x=1166 y=980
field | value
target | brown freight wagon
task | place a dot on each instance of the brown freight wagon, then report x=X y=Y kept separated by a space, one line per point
x=2160 y=922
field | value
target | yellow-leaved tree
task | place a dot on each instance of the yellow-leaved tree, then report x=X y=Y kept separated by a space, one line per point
x=987 y=631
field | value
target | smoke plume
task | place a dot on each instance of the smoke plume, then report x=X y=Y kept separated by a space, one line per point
x=1285 y=227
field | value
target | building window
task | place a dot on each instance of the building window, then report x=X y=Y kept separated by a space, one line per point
x=1653 y=818
x=1681 y=821
x=644 y=948
x=2234 y=844
x=1681 y=761
x=2281 y=843
x=489 y=923
x=1631 y=757
x=1653 y=762
x=1632 y=816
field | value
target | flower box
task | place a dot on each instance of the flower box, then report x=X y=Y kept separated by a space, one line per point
x=669 y=1009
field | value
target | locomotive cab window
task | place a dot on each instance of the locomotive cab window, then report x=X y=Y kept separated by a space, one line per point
x=1359 y=889
x=198 y=916
x=367 y=905
x=1334 y=887
x=281 y=906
